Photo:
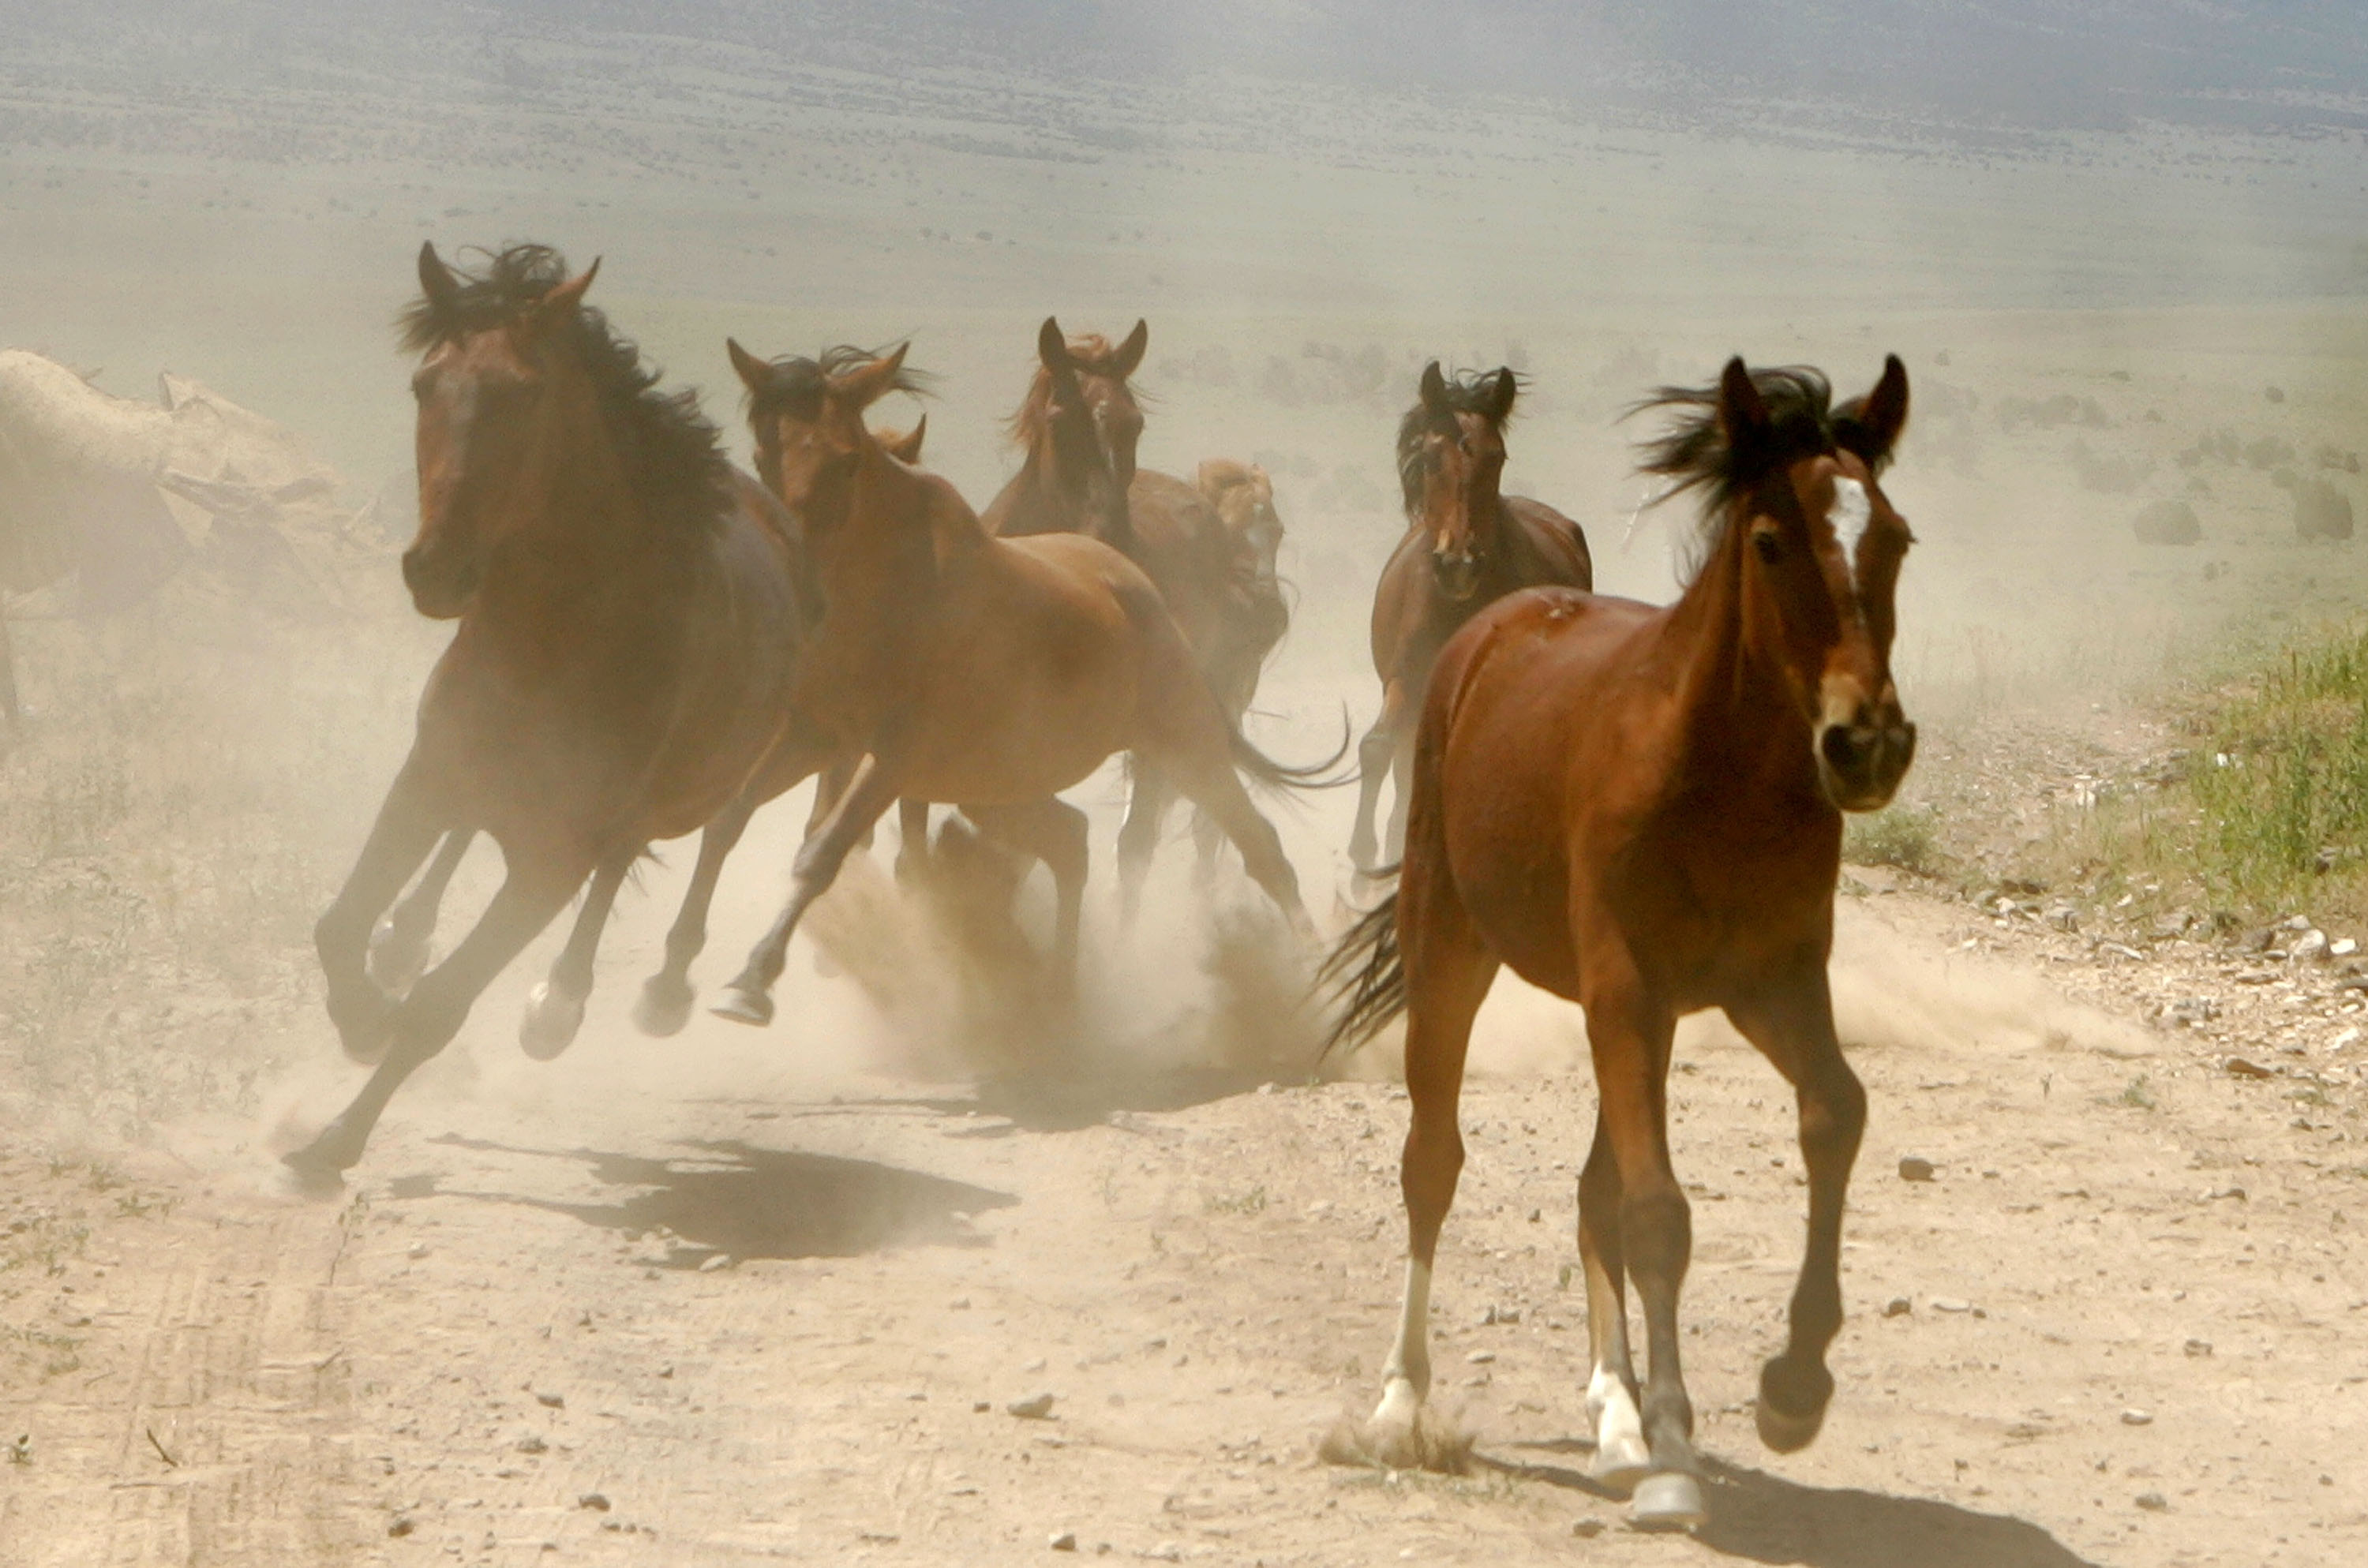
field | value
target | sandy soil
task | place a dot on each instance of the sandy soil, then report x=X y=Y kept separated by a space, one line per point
x=740 y=1297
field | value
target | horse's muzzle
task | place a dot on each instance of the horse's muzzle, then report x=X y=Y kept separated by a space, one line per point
x=440 y=590
x=1861 y=765
x=1457 y=572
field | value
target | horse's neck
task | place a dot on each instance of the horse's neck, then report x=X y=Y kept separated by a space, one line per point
x=1737 y=709
x=586 y=568
x=1052 y=500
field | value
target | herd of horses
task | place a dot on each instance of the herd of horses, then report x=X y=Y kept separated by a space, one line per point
x=1635 y=808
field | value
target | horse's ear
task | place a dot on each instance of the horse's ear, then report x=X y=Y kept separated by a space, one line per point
x=754 y=372
x=560 y=303
x=437 y=283
x=1870 y=426
x=866 y=384
x=1503 y=388
x=1052 y=346
x=1434 y=389
x=1742 y=415
x=906 y=449
x=1128 y=358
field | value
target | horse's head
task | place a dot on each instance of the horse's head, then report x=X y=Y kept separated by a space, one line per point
x=498 y=376
x=1451 y=460
x=1082 y=420
x=807 y=417
x=1822 y=549
x=1244 y=498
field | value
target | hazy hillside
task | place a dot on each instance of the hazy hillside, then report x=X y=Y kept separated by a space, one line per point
x=1931 y=64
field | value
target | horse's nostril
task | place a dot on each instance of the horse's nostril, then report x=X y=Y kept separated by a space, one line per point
x=1841 y=748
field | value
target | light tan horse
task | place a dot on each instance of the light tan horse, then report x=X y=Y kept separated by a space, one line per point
x=981 y=672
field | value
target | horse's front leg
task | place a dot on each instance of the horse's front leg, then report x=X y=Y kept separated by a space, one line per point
x=748 y=999
x=399 y=840
x=399 y=943
x=538 y=887
x=1376 y=754
x=555 y=1008
x=1792 y=1024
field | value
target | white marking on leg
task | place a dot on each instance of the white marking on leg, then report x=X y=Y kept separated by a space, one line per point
x=1622 y=1455
x=1406 y=1379
x=1850 y=513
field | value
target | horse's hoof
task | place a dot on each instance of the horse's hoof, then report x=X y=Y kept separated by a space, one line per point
x=1621 y=1465
x=321 y=1165
x=365 y=1026
x=1789 y=1424
x=752 y=1007
x=548 y=1025
x=663 y=1008
x=396 y=958
x=1672 y=1500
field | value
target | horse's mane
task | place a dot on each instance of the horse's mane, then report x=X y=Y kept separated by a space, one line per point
x=1468 y=391
x=1693 y=451
x=1092 y=354
x=795 y=385
x=672 y=453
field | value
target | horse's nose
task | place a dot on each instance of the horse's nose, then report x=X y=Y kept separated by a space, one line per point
x=1863 y=760
x=1458 y=572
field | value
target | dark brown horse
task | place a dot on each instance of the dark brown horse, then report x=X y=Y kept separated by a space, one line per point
x=1469 y=545
x=984 y=672
x=1078 y=428
x=630 y=614
x=1640 y=810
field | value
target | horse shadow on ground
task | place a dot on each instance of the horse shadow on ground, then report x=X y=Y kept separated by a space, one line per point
x=1069 y=1103
x=736 y=1200
x=1760 y=1517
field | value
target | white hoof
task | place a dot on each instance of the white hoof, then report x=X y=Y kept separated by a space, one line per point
x=397 y=957
x=1669 y=1501
x=1621 y=1464
x=1400 y=1408
x=550 y=1022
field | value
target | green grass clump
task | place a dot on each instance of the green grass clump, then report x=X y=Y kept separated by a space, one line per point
x=1907 y=838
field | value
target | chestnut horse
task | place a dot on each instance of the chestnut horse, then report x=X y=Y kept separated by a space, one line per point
x=1469 y=545
x=1639 y=809
x=629 y=615
x=399 y=947
x=984 y=672
x=1257 y=613
x=1079 y=425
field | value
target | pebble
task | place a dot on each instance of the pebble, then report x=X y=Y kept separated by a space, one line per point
x=1035 y=1366
x=532 y=1443
x=2138 y=1417
x=1587 y=1529
x=2199 y=1348
x=720 y=1260
x=1064 y=1540
x=595 y=1501
x=2153 y=1502
x=2237 y=1067
x=2218 y=1193
x=419 y=1249
x=1035 y=1407
x=1481 y=1358
x=1897 y=1307
x=548 y=1399
x=2309 y=947
x=400 y=1525
x=1916 y=1167
x=2342 y=948
x=1950 y=1304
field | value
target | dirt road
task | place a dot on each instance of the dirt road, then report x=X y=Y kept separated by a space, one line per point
x=735 y=1298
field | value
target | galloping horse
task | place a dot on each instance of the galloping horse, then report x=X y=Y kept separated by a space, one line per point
x=1639 y=809
x=1469 y=545
x=629 y=617
x=1257 y=611
x=1079 y=425
x=982 y=672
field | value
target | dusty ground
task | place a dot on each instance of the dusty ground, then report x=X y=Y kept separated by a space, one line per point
x=735 y=1298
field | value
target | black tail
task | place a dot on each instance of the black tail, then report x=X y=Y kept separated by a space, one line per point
x=1263 y=770
x=1366 y=976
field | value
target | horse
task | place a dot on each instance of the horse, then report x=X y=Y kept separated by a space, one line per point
x=630 y=614
x=400 y=944
x=1639 y=809
x=983 y=672
x=1256 y=615
x=1078 y=426
x=1468 y=546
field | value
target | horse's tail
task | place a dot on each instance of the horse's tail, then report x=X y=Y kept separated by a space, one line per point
x=1366 y=977
x=1262 y=768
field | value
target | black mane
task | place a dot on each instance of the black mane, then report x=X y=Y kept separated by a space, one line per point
x=1693 y=451
x=794 y=389
x=1468 y=391
x=672 y=453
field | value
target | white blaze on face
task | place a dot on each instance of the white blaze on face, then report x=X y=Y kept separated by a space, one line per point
x=1853 y=510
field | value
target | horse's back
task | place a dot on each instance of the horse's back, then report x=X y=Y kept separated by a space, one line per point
x=1557 y=542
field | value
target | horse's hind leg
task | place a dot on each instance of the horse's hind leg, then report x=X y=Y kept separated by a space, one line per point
x=1621 y=1457
x=406 y=829
x=1211 y=784
x=664 y=1002
x=748 y=999
x=1448 y=972
x=1628 y=1034
x=1138 y=836
x=1053 y=832
x=1794 y=1028
x=555 y=1008
x=423 y=1022
x=399 y=943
